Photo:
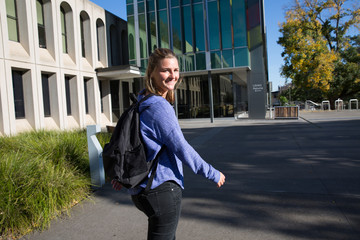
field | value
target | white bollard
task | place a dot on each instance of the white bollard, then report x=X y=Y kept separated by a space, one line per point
x=95 y=156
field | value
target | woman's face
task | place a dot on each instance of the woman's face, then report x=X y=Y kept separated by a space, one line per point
x=166 y=75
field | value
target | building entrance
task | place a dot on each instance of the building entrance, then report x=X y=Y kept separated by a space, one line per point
x=193 y=97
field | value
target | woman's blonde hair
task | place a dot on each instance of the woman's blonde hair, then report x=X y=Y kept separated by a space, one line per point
x=154 y=61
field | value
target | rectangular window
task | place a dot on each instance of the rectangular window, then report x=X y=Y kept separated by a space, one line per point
x=214 y=32
x=115 y=99
x=163 y=29
x=176 y=30
x=41 y=23
x=189 y=62
x=241 y=57
x=68 y=96
x=152 y=32
x=161 y=4
x=239 y=23
x=86 y=95
x=125 y=95
x=227 y=58
x=174 y=3
x=188 y=32
x=131 y=38
x=142 y=32
x=101 y=96
x=225 y=13
x=46 y=94
x=12 y=20
x=18 y=90
x=150 y=5
x=130 y=9
x=200 y=61
x=141 y=7
x=215 y=59
x=199 y=27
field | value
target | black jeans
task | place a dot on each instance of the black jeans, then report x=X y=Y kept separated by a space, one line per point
x=162 y=206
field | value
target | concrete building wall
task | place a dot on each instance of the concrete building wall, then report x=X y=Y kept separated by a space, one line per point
x=34 y=62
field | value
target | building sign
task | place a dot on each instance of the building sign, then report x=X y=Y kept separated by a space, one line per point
x=258 y=87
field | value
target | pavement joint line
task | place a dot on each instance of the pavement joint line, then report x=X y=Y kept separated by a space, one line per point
x=306 y=120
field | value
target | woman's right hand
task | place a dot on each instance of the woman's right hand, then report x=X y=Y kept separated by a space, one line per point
x=222 y=180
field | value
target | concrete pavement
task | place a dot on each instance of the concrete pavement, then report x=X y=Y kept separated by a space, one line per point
x=285 y=179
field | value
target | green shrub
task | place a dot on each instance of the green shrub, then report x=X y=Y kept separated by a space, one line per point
x=41 y=175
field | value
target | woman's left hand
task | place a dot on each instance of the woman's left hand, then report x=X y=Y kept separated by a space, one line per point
x=116 y=185
x=222 y=180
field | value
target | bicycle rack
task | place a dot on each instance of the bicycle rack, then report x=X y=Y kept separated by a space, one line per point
x=339 y=104
x=356 y=102
x=325 y=103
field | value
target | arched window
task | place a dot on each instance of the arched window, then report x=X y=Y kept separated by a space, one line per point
x=100 y=39
x=12 y=20
x=82 y=36
x=63 y=30
x=41 y=23
x=85 y=35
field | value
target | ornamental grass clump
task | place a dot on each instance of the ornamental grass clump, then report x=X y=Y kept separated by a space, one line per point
x=42 y=174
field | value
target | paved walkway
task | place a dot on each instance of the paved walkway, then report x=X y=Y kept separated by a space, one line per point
x=285 y=179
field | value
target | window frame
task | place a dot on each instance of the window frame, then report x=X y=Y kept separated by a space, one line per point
x=41 y=34
x=14 y=18
x=63 y=29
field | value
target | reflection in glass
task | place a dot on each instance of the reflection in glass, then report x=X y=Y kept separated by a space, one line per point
x=141 y=7
x=130 y=9
x=12 y=20
x=185 y=2
x=189 y=62
x=223 y=96
x=225 y=24
x=188 y=36
x=199 y=27
x=163 y=29
x=214 y=32
x=142 y=33
x=227 y=58
x=174 y=3
x=176 y=29
x=161 y=4
x=152 y=28
x=200 y=61
x=131 y=38
x=215 y=59
x=41 y=23
x=193 y=97
x=241 y=57
x=150 y=5
x=239 y=23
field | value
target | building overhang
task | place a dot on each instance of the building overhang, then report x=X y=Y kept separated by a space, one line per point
x=118 y=72
x=216 y=71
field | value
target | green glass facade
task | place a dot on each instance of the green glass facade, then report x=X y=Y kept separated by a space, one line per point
x=208 y=36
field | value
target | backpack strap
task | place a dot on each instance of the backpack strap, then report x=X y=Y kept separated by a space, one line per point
x=154 y=167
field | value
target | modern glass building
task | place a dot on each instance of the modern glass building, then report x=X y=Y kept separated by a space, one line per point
x=221 y=49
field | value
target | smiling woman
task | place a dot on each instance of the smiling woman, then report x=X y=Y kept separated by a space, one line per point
x=162 y=73
x=160 y=129
x=166 y=76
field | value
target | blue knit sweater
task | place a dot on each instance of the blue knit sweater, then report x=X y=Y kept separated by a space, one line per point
x=158 y=126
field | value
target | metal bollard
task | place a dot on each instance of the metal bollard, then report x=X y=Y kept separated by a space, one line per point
x=95 y=156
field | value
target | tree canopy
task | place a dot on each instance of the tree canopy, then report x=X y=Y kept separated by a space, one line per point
x=321 y=48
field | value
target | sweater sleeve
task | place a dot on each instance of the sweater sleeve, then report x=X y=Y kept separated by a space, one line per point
x=168 y=130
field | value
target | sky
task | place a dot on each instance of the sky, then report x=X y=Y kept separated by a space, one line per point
x=274 y=14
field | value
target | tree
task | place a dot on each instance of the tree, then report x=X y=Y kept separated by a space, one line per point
x=316 y=47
